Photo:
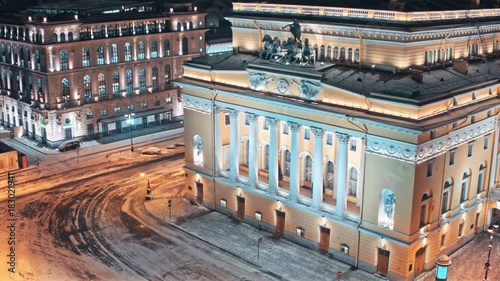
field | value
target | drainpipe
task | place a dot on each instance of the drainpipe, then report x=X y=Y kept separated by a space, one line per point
x=360 y=36
x=214 y=162
x=365 y=131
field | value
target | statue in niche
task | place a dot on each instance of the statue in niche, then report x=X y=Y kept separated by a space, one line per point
x=308 y=89
x=295 y=30
x=259 y=81
x=198 y=150
x=389 y=204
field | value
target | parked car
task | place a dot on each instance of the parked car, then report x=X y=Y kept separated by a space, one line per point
x=68 y=145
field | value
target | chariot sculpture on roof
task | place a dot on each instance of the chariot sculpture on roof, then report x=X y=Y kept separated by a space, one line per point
x=289 y=51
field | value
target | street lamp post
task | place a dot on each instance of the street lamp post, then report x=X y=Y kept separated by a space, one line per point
x=130 y=122
x=442 y=268
x=148 y=188
x=487 y=264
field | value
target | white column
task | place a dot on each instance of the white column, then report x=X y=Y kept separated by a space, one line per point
x=317 y=183
x=253 y=167
x=342 y=141
x=294 y=162
x=234 y=145
x=218 y=140
x=273 y=155
x=108 y=58
x=51 y=61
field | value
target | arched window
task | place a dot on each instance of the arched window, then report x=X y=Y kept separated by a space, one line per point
x=142 y=79
x=100 y=55
x=130 y=81
x=101 y=85
x=198 y=150
x=349 y=55
x=190 y=25
x=116 y=83
x=336 y=53
x=266 y=158
x=356 y=56
x=179 y=26
x=480 y=179
x=154 y=77
x=167 y=76
x=322 y=54
x=128 y=52
x=154 y=49
x=63 y=59
x=70 y=36
x=63 y=37
x=353 y=181
x=329 y=53
x=316 y=51
x=424 y=209
x=114 y=53
x=185 y=26
x=85 y=57
x=330 y=172
x=426 y=62
x=286 y=167
x=54 y=37
x=185 y=46
x=450 y=54
x=307 y=176
x=447 y=190
x=386 y=209
x=140 y=51
x=465 y=187
x=166 y=48
x=342 y=54
x=65 y=88
x=87 y=87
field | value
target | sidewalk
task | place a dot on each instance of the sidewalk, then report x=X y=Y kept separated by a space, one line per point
x=278 y=256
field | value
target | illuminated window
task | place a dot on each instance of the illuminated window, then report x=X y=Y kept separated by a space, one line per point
x=140 y=51
x=353 y=181
x=101 y=84
x=307 y=173
x=114 y=53
x=166 y=48
x=100 y=55
x=65 y=87
x=130 y=81
x=128 y=52
x=167 y=76
x=154 y=77
x=330 y=172
x=154 y=49
x=142 y=79
x=87 y=87
x=424 y=209
x=64 y=59
x=85 y=57
x=286 y=167
x=116 y=83
x=465 y=187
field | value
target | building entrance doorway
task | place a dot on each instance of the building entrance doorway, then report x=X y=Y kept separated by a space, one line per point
x=240 y=213
x=420 y=260
x=199 y=192
x=383 y=261
x=280 y=222
x=68 y=134
x=324 y=239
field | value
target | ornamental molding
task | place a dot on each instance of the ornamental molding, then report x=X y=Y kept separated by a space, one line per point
x=431 y=149
x=197 y=104
x=470 y=132
x=391 y=148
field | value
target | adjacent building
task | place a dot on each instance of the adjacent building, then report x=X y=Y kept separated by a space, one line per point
x=79 y=69
x=371 y=133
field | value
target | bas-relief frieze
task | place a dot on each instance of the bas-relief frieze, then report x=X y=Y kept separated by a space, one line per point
x=431 y=149
x=390 y=148
x=470 y=132
x=196 y=104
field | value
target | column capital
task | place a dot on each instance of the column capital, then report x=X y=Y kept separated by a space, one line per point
x=218 y=109
x=233 y=112
x=318 y=132
x=252 y=116
x=271 y=121
x=295 y=127
x=343 y=138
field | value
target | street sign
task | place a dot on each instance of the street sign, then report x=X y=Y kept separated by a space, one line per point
x=169 y=203
x=339 y=274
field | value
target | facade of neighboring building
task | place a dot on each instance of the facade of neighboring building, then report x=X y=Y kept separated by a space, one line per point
x=76 y=70
x=378 y=144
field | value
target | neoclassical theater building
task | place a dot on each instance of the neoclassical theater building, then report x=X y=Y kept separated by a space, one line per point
x=75 y=69
x=374 y=138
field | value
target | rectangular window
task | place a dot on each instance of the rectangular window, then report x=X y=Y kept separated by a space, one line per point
x=329 y=139
x=300 y=231
x=131 y=108
x=90 y=115
x=307 y=134
x=486 y=141
x=144 y=105
x=443 y=239
x=461 y=230
x=430 y=167
x=452 y=157
x=227 y=119
x=285 y=128
x=266 y=125
x=445 y=203
x=247 y=119
x=118 y=109
x=352 y=145
x=104 y=112
x=469 y=151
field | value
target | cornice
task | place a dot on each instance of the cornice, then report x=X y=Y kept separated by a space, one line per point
x=392 y=149
x=197 y=104
x=470 y=132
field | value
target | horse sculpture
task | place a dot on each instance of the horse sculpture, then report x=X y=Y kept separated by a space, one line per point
x=271 y=46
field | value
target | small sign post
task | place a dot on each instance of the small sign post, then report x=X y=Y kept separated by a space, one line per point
x=259 y=240
x=170 y=208
x=339 y=274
